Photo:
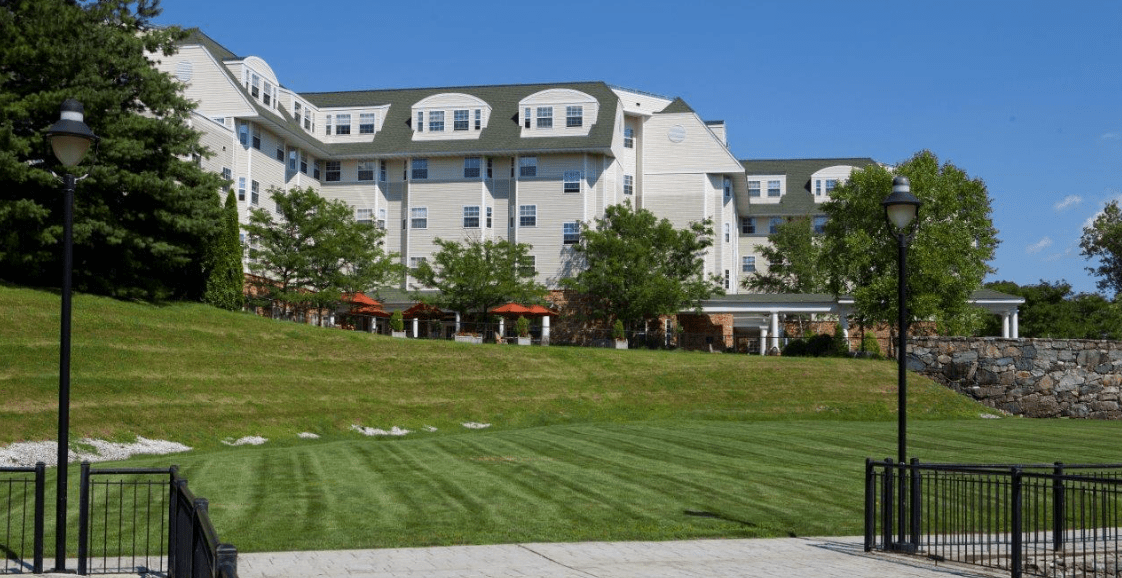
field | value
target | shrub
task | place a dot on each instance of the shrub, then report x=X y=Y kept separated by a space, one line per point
x=820 y=345
x=397 y=321
x=795 y=348
x=523 y=326
x=870 y=346
x=841 y=343
x=617 y=330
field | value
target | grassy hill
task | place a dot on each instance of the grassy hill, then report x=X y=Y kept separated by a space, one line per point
x=584 y=444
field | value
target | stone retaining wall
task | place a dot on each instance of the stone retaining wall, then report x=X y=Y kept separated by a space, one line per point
x=1077 y=378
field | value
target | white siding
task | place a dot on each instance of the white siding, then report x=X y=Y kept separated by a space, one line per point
x=698 y=152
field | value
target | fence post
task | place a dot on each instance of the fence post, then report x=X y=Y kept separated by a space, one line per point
x=227 y=563
x=870 y=504
x=889 y=496
x=40 y=495
x=1015 y=531
x=1058 y=507
x=915 y=500
x=84 y=521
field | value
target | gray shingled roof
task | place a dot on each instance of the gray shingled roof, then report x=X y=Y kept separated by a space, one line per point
x=677 y=106
x=799 y=200
x=501 y=135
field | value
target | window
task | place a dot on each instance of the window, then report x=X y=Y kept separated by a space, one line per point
x=415 y=262
x=747 y=226
x=818 y=187
x=773 y=189
x=478 y=119
x=366 y=123
x=382 y=171
x=304 y=163
x=574 y=116
x=265 y=96
x=308 y=120
x=728 y=189
x=820 y=224
x=528 y=216
x=727 y=278
x=572 y=182
x=628 y=185
x=754 y=189
x=471 y=168
x=748 y=264
x=315 y=169
x=296 y=108
x=243 y=134
x=471 y=217
x=628 y=138
x=419 y=218
x=570 y=232
x=366 y=171
x=226 y=173
x=364 y=216
x=381 y=218
x=280 y=150
x=421 y=121
x=528 y=268
x=528 y=166
x=545 y=117
x=334 y=171
x=277 y=208
x=255 y=192
x=256 y=137
x=292 y=160
x=460 y=120
x=436 y=121
x=728 y=233
x=420 y=169
x=773 y=225
x=831 y=184
x=488 y=217
x=526 y=117
x=255 y=86
x=490 y=167
x=241 y=188
x=328 y=128
x=342 y=124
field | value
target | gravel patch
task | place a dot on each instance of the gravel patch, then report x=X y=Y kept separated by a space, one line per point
x=248 y=440
x=26 y=454
x=473 y=425
x=307 y=435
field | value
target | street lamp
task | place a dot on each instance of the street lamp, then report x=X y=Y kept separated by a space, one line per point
x=900 y=210
x=70 y=139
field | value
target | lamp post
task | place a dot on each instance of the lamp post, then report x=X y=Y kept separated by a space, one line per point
x=70 y=139
x=900 y=210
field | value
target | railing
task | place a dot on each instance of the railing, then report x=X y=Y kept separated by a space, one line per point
x=21 y=516
x=147 y=521
x=1039 y=520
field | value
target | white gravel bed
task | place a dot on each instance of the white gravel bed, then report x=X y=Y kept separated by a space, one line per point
x=26 y=454
x=247 y=440
x=370 y=431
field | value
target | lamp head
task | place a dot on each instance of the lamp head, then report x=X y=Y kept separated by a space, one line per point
x=70 y=137
x=901 y=207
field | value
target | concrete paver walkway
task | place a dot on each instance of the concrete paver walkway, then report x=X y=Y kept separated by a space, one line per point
x=787 y=557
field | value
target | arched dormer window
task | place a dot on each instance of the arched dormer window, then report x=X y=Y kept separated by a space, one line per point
x=450 y=116
x=824 y=181
x=557 y=112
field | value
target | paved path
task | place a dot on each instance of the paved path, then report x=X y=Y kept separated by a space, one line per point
x=783 y=557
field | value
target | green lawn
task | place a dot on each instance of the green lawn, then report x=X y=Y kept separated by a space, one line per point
x=585 y=444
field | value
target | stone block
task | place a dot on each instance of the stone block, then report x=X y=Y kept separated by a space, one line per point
x=1104 y=406
x=1028 y=351
x=1079 y=410
x=1003 y=361
x=1088 y=358
x=965 y=356
x=1069 y=382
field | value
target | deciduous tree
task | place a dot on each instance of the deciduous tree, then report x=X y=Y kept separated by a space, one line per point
x=145 y=212
x=1051 y=309
x=475 y=275
x=792 y=256
x=637 y=267
x=1103 y=241
x=947 y=259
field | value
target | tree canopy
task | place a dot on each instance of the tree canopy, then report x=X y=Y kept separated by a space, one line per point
x=1052 y=310
x=636 y=267
x=474 y=276
x=316 y=251
x=947 y=258
x=1103 y=241
x=793 y=261
x=145 y=213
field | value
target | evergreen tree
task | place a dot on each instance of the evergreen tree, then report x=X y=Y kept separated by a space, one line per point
x=225 y=281
x=145 y=213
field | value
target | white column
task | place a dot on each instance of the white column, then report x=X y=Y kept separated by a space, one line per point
x=416 y=326
x=763 y=341
x=774 y=330
x=545 y=330
x=502 y=325
x=1005 y=324
x=457 y=322
x=1016 y=324
x=843 y=322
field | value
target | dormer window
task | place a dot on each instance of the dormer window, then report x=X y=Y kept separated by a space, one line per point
x=296 y=113
x=254 y=85
x=574 y=116
x=478 y=119
x=526 y=117
x=266 y=96
x=545 y=117
x=366 y=122
x=460 y=120
x=420 y=122
x=436 y=121
x=342 y=124
x=773 y=189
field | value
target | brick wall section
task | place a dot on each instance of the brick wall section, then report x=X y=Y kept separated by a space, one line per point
x=706 y=329
x=1076 y=378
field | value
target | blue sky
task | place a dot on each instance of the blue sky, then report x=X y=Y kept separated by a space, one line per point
x=1024 y=94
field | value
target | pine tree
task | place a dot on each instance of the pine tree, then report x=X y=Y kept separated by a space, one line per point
x=225 y=278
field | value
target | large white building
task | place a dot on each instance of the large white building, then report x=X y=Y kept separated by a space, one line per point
x=523 y=162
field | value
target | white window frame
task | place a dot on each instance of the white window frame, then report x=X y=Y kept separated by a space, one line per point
x=527 y=216
x=436 y=121
x=367 y=122
x=574 y=116
x=751 y=224
x=526 y=117
x=256 y=137
x=571 y=182
x=333 y=169
x=471 y=167
x=415 y=262
x=366 y=169
x=728 y=188
x=528 y=166
x=819 y=224
x=241 y=188
x=419 y=169
x=773 y=224
x=364 y=215
x=570 y=232
x=774 y=188
x=381 y=224
x=748 y=264
x=343 y=124
x=728 y=233
x=382 y=171
x=418 y=217
x=489 y=212
x=628 y=185
x=754 y=189
x=420 y=121
x=461 y=119
x=544 y=117
x=478 y=119
x=471 y=216
x=628 y=138
x=254 y=192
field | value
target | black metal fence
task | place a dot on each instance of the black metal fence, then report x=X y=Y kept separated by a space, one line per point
x=1047 y=520
x=21 y=516
x=146 y=521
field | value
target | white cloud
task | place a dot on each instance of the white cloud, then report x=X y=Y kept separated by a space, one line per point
x=1038 y=246
x=1111 y=136
x=1068 y=201
x=1114 y=196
